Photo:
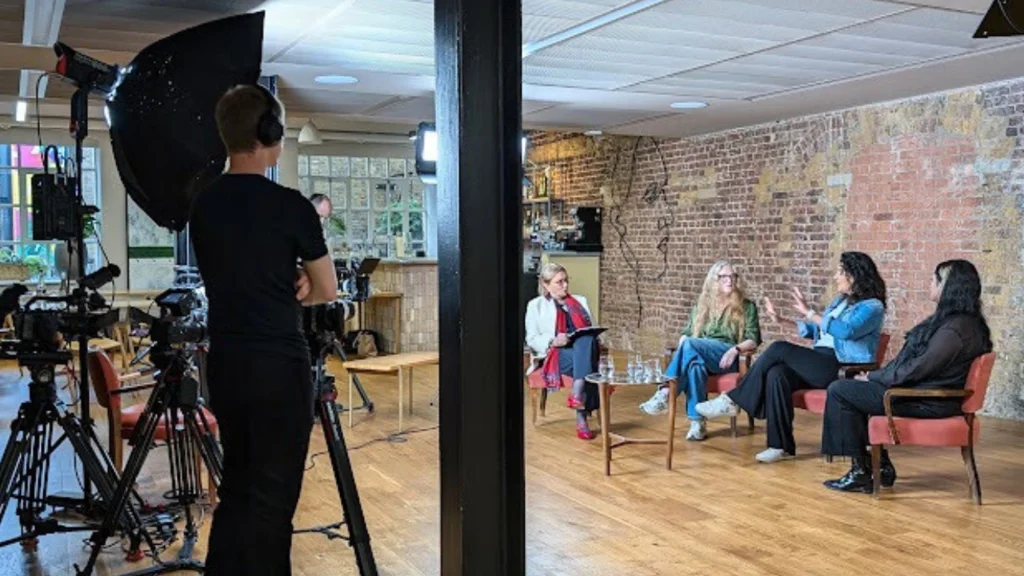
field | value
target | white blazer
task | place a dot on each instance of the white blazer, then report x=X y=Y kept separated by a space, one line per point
x=541 y=316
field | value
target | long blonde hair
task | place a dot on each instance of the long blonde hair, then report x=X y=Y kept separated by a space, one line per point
x=709 y=297
x=547 y=274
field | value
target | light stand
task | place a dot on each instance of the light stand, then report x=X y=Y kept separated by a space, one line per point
x=80 y=129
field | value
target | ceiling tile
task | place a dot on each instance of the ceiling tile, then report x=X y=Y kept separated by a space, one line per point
x=571 y=116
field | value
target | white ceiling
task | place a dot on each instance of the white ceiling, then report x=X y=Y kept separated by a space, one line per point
x=751 y=60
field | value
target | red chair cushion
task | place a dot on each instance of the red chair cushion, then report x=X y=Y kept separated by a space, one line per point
x=812 y=400
x=723 y=383
x=951 y=431
x=130 y=418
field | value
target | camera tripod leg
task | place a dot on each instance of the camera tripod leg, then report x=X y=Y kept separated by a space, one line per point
x=367 y=403
x=358 y=535
x=120 y=499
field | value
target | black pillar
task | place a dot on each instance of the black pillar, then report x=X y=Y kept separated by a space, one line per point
x=479 y=173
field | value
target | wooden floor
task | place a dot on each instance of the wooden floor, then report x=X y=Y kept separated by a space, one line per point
x=717 y=512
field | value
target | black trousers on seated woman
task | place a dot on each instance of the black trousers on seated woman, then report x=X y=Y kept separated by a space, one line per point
x=851 y=402
x=579 y=361
x=766 y=391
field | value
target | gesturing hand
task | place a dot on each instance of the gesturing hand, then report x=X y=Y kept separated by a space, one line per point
x=799 y=303
x=770 y=309
x=302 y=285
x=728 y=358
x=560 y=341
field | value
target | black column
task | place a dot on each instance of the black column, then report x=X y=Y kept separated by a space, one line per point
x=479 y=77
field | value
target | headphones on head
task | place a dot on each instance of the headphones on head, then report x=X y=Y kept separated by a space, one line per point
x=269 y=129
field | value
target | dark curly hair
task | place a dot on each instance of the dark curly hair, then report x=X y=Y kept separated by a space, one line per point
x=961 y=294
x=865 y=281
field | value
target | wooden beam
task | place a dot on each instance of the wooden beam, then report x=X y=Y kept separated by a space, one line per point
x=41 y=26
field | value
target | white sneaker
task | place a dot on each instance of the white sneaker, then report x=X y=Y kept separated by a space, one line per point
x=772 y=455
x=657 y=404
x=698 y=430
x=720 y=406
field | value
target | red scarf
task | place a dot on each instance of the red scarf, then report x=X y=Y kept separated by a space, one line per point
x=580 y=319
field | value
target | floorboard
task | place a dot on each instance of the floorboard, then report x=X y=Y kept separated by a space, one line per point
x=718 y=512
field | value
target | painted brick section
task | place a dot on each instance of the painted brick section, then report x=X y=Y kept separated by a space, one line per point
x=911 y=183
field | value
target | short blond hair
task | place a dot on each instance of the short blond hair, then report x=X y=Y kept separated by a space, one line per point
x=547 y=274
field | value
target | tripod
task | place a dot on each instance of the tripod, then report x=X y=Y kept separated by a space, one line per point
x=176 y=406
x=25 y=466
x=352 y=510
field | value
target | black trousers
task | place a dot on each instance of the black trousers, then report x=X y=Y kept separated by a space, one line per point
x=264 y=409
x=766 y=391
x=850 y=404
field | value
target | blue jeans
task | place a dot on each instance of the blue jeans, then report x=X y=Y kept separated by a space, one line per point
x=690 y=366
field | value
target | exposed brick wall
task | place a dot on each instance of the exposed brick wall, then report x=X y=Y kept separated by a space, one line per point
x=911 y=183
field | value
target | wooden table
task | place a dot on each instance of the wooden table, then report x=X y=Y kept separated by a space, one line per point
x=610 y=440
x=389 y=364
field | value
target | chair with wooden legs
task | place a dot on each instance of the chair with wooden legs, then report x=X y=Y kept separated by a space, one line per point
x=956 y=431
x=108 y=385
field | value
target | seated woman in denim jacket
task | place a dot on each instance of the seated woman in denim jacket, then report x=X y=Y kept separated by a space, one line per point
x=937 y=355
x=847 y=332
x=723 y=323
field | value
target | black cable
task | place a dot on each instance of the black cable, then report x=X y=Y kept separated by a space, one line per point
x=39 y=120
x=1007 y=16
x=394 y=438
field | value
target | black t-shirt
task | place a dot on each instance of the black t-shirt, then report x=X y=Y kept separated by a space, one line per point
x=249 y=233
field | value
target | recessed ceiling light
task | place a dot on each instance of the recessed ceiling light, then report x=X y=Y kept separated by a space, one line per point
x=593 y=133
x=335 y=79
x=691 y=105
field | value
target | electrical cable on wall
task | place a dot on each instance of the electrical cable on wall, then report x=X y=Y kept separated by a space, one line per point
x=659 y=191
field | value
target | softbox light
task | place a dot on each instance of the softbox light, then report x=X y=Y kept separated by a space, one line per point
x=161 y=111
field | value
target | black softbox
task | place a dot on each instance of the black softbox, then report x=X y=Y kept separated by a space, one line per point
x=161 y=112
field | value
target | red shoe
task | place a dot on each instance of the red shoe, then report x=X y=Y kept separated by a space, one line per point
x=574 y=402
x=585 y=433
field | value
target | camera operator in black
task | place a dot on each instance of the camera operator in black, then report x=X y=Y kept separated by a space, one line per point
x=249 y=233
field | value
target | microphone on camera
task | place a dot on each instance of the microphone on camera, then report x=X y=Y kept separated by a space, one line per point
x=100 y=277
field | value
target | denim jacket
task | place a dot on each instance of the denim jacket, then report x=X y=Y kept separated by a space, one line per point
x=856 y=330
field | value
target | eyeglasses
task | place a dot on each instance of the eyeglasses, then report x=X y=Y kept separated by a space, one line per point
x=723 y=277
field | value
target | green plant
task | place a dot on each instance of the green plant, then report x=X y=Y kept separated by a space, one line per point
x=36 y=265
x=89 y=225
x=335 y=225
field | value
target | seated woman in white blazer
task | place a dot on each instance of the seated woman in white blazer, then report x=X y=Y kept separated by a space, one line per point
x=550 y=318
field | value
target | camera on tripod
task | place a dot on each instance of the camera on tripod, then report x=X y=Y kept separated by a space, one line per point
x=354 y=276
x=44 y=323
x=179 y=322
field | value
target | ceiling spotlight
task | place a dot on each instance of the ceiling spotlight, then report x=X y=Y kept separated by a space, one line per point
x=335 y=80
x=21 y=110
x=310 y=134
x=691 y=105
x=593 y=133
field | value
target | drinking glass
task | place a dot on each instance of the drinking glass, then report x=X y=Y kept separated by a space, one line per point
x=631 y=371
x=611 y=368
x=658 y=374
x=602 y=367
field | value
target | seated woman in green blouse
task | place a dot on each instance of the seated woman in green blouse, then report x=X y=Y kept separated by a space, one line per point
x=723 y=323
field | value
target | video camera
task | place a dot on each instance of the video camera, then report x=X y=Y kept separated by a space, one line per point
x=354 y=277
x=180 y=320
x=44 y=323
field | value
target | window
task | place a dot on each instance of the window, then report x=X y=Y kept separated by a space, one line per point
x=18 y=163
x=377 y=199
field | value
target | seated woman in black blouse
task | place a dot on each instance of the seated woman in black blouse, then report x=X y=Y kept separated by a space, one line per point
x=937 y=355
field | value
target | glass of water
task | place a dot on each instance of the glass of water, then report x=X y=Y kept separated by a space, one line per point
x=631 y=371
x=602 y=367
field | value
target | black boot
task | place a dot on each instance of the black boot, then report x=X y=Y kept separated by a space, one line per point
x=858 y=479
x=887 y=471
